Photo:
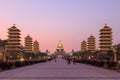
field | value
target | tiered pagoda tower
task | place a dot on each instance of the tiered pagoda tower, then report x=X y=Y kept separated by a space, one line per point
x=91 y=44
x=83 y=46
x=36 y=46
x=105 y=38
x=13 y=46
x=28 y=44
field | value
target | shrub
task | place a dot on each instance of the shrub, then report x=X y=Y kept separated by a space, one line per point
x=100 y=63
x=26 y=63
x=6 y=65
x=111 y=64
x=18 y=64
x=31 y=62
x=9 y=65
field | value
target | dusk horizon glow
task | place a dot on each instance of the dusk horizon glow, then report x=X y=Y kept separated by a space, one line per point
x=70 y=21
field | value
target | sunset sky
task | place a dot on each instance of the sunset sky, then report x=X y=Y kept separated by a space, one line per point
x=70 y=21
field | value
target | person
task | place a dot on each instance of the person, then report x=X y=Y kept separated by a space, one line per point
x=73 y=61
x=69 y=61
x=55 y=60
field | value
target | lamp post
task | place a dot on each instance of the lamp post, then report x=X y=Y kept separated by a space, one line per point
x=22 y=59
x=89 y=57
x=30 y=57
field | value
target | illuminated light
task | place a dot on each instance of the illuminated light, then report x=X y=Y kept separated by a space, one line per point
x=89 y=57
x=48 y=57
x=30 y=57
x=22 y=59
x=80 y=57
x=60 y=46
x=71 y=54
x=10 y=56
x=39 y=57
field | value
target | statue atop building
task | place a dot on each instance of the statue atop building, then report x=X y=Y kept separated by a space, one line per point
x=60 y=46
x=59 y=53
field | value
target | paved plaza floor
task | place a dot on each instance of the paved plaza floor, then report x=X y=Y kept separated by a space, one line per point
x=59 y=70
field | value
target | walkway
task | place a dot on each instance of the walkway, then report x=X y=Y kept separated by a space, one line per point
x=59 y=70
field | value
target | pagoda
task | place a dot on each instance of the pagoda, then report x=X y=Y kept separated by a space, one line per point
x=13 y=46
x=36 y=47
x=105 y=38
x=91 y=44
x=28 y=44
x=83 y=46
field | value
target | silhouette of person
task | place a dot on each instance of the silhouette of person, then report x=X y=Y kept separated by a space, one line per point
x=74 y=61
x=69 y=61
x=55 y=60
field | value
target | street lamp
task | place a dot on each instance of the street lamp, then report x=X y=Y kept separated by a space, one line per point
x=22 y=59
x=39 y=57
x=89 y=57
x=71 y=54
x=79 y=57
x=30 y=57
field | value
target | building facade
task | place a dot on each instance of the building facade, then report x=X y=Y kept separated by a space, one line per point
x=28 y=45
x=105 y=39
x=83 y=46
x=91 y=46
x=36 y=47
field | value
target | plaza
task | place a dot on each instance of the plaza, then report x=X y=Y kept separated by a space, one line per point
x=59 y=70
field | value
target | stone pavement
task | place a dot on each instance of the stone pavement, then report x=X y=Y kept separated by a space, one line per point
x=59 y=70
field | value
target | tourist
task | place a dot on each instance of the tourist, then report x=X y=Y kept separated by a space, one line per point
x=68 y=60
x=73 y=61
x=55 y=60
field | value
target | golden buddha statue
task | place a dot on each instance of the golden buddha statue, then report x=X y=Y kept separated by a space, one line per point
x=60 y=46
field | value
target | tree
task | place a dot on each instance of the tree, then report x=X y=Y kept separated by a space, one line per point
x=118 y=51
x=3 y=43
x=29 y=55
x=110 y=55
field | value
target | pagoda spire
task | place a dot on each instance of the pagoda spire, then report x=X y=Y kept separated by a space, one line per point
x=13 y=24
x=105 y=24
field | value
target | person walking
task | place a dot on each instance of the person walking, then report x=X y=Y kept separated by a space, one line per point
x=55 y=60
x=68 y=61
x=74 y=61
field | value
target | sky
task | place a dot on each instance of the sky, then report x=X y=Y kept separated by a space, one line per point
x=70 y=21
